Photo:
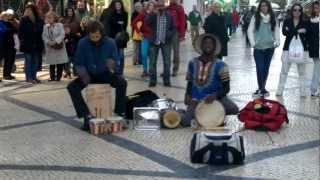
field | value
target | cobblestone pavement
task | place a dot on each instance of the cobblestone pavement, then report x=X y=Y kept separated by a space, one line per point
x=40 y=136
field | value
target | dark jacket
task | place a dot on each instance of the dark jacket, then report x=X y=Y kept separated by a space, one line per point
x=115 y=26
x=104 y=19
x=30 y=35
x=8 y=36
x=152 y=20
x=214 y=24
x=290 y=31
x=313 y=39
x=93 y=57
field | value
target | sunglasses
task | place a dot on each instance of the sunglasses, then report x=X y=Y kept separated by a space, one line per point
x=297 y=10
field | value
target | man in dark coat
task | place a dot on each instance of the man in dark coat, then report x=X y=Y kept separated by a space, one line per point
x=214 y=24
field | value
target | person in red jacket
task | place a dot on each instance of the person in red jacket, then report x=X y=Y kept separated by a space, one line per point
x=235 y=20
x=177 y=12
x=146 y=32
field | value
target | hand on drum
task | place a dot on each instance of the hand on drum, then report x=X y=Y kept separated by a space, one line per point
x=188 y=100
x=111 y=65
x=210 y=98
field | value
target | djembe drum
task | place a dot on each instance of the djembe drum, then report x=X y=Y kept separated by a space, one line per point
x=169 y=115
x=210 y=116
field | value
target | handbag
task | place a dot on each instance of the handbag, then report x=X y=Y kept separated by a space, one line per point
x=57 y=46
x=122 y=38
x=296 y=52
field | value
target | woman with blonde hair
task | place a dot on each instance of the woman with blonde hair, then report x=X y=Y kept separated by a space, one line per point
x=56 y=54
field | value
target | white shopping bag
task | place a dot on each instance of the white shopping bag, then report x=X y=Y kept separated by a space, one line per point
x=296 y=52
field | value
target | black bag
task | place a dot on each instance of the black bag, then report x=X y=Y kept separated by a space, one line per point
x=122 y=38
x=217 y=150
x=140 y=99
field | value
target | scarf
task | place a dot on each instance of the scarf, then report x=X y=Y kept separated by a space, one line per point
x=265 y=18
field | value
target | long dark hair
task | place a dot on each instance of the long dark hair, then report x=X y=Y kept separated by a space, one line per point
x=112 y=6
x=66 y=13
x=301 y=10
x=316 y=3
x=33 y=9
x=270 y=12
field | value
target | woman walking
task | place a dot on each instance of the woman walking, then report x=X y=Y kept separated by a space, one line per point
x=31 y=44
x=53 y=37
x=313 y=41
x=118 y=23
x=72 y=36
x=263 y=33
x=293 y=28
x=146 y=32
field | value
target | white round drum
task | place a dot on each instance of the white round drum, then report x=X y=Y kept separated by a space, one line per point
x=210 y=116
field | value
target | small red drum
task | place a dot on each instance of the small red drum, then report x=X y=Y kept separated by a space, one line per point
x=97 y=126
x=117 y=124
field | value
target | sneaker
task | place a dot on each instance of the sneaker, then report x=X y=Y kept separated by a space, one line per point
x=174 y=74
x=86 y=123
x=9 y=77
x=265 y=93
x=257 y=93
x=152 y=84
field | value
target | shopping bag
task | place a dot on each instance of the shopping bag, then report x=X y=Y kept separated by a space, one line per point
x=296 y=52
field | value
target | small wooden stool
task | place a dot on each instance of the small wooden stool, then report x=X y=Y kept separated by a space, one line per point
x=99 y=100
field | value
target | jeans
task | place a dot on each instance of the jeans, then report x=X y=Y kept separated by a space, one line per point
x=176 y=51
x=31 y=65
x=315 y=83
x=166 y=56
x=145 y=53
x=121 y=60
x=76 y=86
x=230 y=107
x=263 y=58
x=9 y=59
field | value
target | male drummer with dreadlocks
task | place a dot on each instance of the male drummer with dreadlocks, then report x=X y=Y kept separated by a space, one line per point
x=208 y=78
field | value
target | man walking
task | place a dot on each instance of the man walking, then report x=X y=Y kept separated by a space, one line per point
x=195 y=19
x=162 y=30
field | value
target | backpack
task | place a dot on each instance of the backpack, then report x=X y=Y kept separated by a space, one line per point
x=217 y=148
x=140 y=99
x=263 y=114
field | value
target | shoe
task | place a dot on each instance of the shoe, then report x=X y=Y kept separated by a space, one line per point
x=86 y=123
x=315 y=95
x=257 y=93
x=37 y=81
x=9 y=77
x=167 y=84
x=265 y=93
x=152 y=84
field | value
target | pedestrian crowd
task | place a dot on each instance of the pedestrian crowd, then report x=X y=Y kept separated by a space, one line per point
x=92 y=49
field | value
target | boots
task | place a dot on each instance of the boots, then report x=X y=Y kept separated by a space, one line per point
x=281 y=85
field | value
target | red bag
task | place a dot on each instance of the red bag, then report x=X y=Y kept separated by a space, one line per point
x=263 y=114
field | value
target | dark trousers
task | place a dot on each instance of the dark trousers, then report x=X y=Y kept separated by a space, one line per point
x=166 y=54
x=9 y=57
x=31 y=65
x=117 y=82
x=262 y=58
x=56 y=71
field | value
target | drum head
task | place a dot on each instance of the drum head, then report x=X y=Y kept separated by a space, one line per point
x=210 y=115
x=171 y=119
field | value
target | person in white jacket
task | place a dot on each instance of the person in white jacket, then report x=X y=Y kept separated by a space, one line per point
x=294 y=28
x=56 y=54
x=264 y=37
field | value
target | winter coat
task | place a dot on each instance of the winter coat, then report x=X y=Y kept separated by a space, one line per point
x=290 y=31
x=152 y=20
x=115 y=23
x=313 y=39
x=214 y=24
x=54 y=33
x=8 y=36
x=29 y=34
x=179 y=18
x=145 y=28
